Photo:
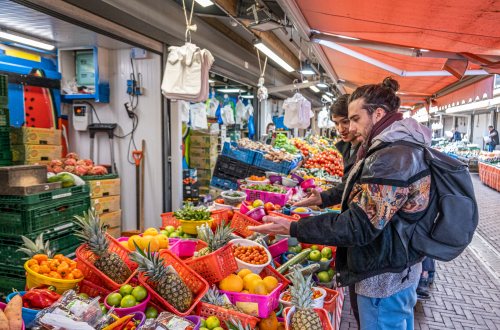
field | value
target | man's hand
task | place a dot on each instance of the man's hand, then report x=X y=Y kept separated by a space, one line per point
x=313 y=199
x=273 y=226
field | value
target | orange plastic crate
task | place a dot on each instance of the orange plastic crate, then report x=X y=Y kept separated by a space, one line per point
x=330 y=303
x=194 y=281
x=323 y=315
x=241 y=222
x=205 y=310
x=215 y=266
x=294 y=217
x=86 y=259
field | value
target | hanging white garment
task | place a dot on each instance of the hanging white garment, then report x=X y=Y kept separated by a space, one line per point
x=239 y=113
x=198 y=116
x=227 y=115
x=186 y=73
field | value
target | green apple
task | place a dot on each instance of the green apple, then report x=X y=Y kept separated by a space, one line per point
x=180 y=230
x=324 y=277
x=314 y=248
x=327 y=253
x=175 y=234
x=257 y=203
x=169 y=229
x=164 y=232
x=331 y=273
x=323 y=259
x=315 y=255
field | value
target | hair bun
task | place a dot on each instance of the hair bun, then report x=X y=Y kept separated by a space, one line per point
x=391 y=84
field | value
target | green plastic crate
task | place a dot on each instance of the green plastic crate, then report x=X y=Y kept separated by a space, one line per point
x=76 y=191
x=5 y=155
x=4 y=117
x=19 y=219
x=4 y=90
x=99 y=177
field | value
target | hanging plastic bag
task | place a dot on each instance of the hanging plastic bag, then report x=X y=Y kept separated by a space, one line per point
x=212 y=107
x=198 y=116
x=184 y=107
x=239 y=112
x=227 y=115
x=323 y=118
x=251 y=127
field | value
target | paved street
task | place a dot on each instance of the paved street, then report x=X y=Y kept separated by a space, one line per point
x=466 y=291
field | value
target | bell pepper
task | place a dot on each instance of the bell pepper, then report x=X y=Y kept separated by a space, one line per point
x=40 y=298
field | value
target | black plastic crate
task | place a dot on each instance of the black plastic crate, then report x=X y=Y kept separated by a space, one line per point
x=4 y=117
x=229 y=168
x=4 y=90
x=254 y=170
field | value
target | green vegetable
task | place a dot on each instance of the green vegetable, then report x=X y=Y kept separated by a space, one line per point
x=189 y=212
x=267 y=187
x=297 y=259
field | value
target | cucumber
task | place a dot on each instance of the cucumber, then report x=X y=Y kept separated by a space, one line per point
x=305 y=271
x=297 y=259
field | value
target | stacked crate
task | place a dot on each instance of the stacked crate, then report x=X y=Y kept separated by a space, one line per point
x=5 y=153
x=32 y=145
x=105 y=198
x=203 y=152
x=190 y=186
x=51 y=213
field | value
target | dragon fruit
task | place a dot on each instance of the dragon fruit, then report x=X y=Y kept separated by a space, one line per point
x=98 y=170
x=81 y=170
x=72 y=155
x=56 y=162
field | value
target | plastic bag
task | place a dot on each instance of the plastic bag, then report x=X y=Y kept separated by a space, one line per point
x=184 y=107
x=323 y=118
x=251 y=128
x=227 y=115
x=168 y=321
x=240 y=112
x=198 y=116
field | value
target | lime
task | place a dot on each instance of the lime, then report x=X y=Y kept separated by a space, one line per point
x=83 y=295
x=103 y=308
x=126 y=289
x=203 y=323
x=314 y=247
x=331 y=273
x=114 y=299
x=151 y=312
x=212 y=322
x=128 y=301
x=324 y=277
x=175 y=234
x=314 y=255
x=139 y=293
x=169 y=229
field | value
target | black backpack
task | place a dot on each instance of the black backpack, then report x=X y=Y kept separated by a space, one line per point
x=452 y=216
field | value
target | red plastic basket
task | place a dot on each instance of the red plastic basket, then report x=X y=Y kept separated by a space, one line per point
x=241 y=222
x=194 y=281
x=330 y=303
x=220 y=216
x=323 y=315
x=93 y=290
x=264 y=304
x=294 y=217
x=168 y=219
x=267 y=196
x=205 y=310
x=86 y=259
x=215 y=266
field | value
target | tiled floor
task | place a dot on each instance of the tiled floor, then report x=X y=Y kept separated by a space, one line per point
x=466 y=291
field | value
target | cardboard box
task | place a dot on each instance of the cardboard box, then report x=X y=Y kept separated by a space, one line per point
x=204 y=141
x=207 y=163
x=106 y=204
x=35 y=153
x=115 y=232
x=34 y=135
x=203 y=152
x=104 y=188
x=205 y=174
x=112 y=219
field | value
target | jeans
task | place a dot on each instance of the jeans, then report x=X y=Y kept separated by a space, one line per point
x=491 y=147
x=391 y=313
x=428 y=265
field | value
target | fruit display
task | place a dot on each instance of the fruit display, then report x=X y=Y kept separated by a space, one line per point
x=191 y=213
x=151 y=239
x=302 y=296
x=93 y=232
x=254 y=255
x=66 y=179
x=281 y=142
x=127 y=296
x=490 y=157
x=256 y=178
x=73 y=164
x=248 y=282
x=215 y=239
x=329 y=160
x=58 y=267
x=268 y=188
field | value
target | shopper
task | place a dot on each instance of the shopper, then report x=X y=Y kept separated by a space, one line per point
x=268 y=137
x=494 y=139
x=457 y=136
x=387 y=188
x=426 y=278
x=348 y=147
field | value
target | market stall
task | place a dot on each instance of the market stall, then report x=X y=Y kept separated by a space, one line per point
x=489 y=169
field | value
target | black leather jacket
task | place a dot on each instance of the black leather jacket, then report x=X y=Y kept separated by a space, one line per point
x=363 y=250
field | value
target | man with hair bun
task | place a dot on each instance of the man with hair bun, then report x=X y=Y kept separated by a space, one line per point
x=387 y=190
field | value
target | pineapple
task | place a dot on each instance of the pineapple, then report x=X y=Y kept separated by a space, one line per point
x=301 y=291
x=215 y=298
x=165 y=280
x=223 y=234
x=31 y=248
x=93 y=232
x=237 y=325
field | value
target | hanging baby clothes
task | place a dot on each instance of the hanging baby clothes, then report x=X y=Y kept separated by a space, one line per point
x=198 y=116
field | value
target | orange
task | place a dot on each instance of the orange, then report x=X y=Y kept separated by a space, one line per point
x=163 y=240
x=131 y=240
x=244 y=272
x=154 y=244
x=150 y=232
x=55 y=275
x=232 y=283
x=271 y=283
x=32 y=262
x=249 y=278
x=35 y=268
x=44 y=269
x=258 y=287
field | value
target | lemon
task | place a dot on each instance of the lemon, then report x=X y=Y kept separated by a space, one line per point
x=150 y=232
x=131 y=240
x=163 y=241
x=232 y=283
x=271 y=283
x=145 y=240
x=258 y=287
x=255 y=283
x=249 y=278
x=244 y=272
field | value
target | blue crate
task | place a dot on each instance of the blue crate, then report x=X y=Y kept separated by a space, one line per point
x=232 y=150
x=282 y=167
x=223 y=183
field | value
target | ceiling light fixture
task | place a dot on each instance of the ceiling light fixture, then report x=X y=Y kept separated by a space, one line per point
x=307 y=69
x=329 y=93
x=249 y=96
x=314 y=89
x=272 y=55
x=327 y=98
x=211 y=81
x=204 y=3
x=231 y=90
x=25 y=41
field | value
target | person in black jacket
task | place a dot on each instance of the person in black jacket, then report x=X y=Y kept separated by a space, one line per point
x=494 y=139
x=347 y=147
x=387 y=190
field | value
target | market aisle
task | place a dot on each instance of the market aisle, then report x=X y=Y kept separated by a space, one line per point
x=466 y=292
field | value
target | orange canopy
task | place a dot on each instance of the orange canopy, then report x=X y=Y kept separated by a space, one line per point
x=447 y=25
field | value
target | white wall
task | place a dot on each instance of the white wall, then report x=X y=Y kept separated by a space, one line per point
x=149 y=129
x=480 y=129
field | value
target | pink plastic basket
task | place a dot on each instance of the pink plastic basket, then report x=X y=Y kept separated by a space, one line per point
x=257 y=213
x=266 y=196
x=141 y=307
x=279 y=248
x=183 y=248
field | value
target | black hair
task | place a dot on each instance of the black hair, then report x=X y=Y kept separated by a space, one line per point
x=379 y=96
x=268 y=125
x=340 y=106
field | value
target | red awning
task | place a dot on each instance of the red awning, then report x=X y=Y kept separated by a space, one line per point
x=477 y=91
x=449 y=25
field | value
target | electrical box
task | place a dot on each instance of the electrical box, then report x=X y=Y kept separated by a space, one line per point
x=80 y=116
x=138 y=53
x=85 y=68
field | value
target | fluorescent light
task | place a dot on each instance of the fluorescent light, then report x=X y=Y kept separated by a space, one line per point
x=230 y=90
x=26 y=41
x=307 y=69
x=264 y=25
x=424 y=50
x=314 y=89
x=346 y=37
x=322 y=85
x=327 y=98
x=272 y=55
x=329 y=94
x=247 y=96
x=204 y=3
x=211 y=81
